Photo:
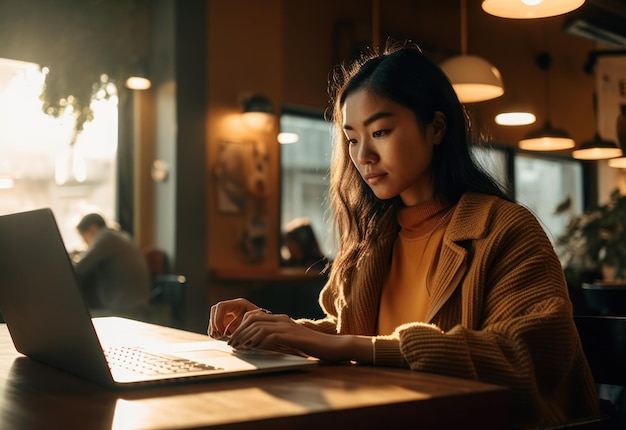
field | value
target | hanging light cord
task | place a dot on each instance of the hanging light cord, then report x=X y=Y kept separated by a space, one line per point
x=463 y=27
x=544 y=61
x=375 y=23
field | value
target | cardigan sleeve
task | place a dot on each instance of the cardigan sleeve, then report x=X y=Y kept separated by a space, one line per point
x=524 y=335
x=327 y=301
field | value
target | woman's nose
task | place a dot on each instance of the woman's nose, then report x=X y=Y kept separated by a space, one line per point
x=366 y=154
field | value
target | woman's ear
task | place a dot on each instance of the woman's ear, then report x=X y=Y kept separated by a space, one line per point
x=438 y=125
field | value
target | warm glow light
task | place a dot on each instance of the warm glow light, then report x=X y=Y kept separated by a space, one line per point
x=515 y=118
x=473 y=78
x=597 y=149
x=596 y=153
x=547 y=143
x=285 y=138
x=529 y=9
x=547 y=138
x=619 y=163
x=258 y=120
x=472 y=93
x=138 y=83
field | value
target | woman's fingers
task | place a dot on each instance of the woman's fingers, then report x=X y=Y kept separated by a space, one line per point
x=225 y=317
x=255 y=327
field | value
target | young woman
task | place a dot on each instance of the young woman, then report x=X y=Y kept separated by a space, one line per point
x=438 y=270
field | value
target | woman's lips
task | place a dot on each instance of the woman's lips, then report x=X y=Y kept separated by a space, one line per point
x=374 y=178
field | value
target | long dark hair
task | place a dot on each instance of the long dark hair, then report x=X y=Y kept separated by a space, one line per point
x=404 y=74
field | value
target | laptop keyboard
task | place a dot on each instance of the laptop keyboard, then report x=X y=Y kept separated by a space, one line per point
x=149 y=363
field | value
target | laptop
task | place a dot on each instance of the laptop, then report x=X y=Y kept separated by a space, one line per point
x=49 y=321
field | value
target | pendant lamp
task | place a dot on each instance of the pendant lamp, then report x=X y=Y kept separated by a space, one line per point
x=515 y=112
x=547 y=138
x=529 y=9
x=473 y=78
x=597 y=148
x=618 y=163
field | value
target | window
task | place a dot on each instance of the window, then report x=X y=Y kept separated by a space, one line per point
x=304 y=174
x=551 y=188
x=39 y=168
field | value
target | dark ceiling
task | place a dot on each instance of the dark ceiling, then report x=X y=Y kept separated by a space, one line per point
x=603 y=21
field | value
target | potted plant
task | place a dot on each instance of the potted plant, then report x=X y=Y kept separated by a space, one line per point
x=594 y=243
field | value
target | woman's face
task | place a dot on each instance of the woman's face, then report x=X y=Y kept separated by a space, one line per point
x=391 y=150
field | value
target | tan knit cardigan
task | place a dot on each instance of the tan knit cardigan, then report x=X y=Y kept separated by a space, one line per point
x=500 y=313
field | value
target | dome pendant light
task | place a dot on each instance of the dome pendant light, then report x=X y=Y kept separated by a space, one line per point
x=618 y=163
x=546 y=138
x=597 y=148
x=473 y=78
x=529 y=9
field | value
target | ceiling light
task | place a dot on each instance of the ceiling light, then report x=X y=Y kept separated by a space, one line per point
x=529 y=9
x=547 y=138
x=515 y=113
x=597 y=149
x=287 y=137
x=515 y=118
x=473 y=78
x=619 y=163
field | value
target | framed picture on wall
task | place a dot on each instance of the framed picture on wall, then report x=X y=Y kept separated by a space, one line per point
x=230 y=175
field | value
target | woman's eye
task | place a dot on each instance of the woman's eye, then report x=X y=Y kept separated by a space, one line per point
x=350 y=141
x=380 y=133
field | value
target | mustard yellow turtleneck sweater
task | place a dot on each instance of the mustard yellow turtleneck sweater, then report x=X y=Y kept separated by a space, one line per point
x=499 y=312
x=405 y=297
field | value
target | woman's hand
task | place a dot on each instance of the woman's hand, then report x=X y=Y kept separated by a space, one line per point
x=227 y=315
x=246 y=326
x=263 y=330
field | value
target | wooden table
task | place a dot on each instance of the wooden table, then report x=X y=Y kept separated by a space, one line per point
x=35 y=396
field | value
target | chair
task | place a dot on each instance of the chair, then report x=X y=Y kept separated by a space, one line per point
x=604 y=298
x=604 y=341
x=167 y=290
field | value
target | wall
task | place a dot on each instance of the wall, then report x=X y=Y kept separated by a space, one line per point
x=245 y=56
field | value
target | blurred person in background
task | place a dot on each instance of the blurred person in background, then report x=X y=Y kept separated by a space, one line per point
x=112 y=272
x=301 y=247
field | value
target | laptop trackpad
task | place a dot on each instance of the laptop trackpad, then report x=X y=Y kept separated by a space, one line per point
x=220 y=354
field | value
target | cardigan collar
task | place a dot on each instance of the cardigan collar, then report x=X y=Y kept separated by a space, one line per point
x=469 y=221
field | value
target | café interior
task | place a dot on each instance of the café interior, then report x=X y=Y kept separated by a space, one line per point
x=227 y=144
x=181 y=166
